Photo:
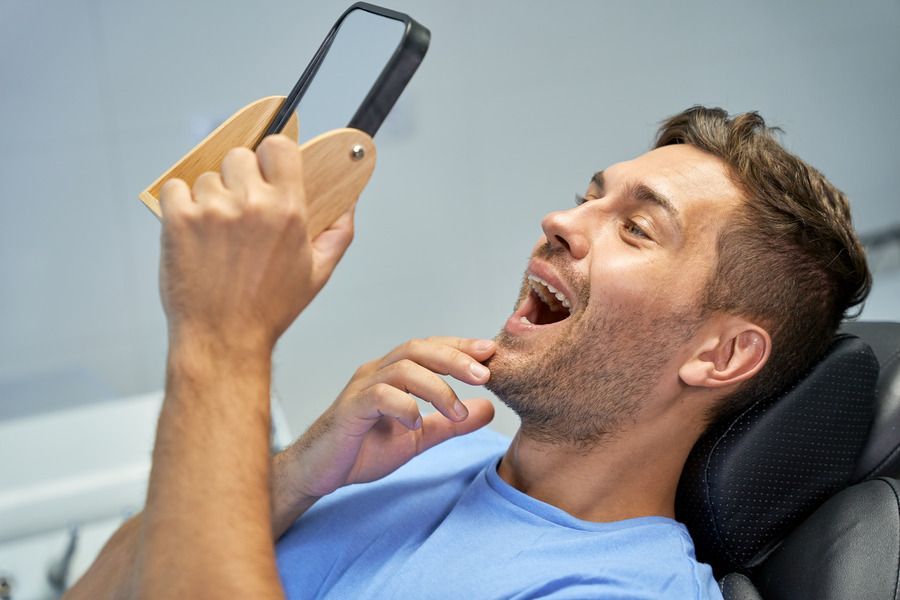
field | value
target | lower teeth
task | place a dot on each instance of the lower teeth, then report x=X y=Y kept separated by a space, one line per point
x=525 y=320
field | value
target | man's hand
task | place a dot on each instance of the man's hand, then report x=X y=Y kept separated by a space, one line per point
x=375 y=426
x=237 y=266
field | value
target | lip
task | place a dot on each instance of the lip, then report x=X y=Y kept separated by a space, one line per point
x=514 y=324
x=543 y=270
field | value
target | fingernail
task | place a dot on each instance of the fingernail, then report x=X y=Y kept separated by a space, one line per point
x=483 y=345
x=460 y=409
x=479 y=370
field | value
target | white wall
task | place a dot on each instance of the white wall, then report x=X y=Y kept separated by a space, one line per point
x=516 y=104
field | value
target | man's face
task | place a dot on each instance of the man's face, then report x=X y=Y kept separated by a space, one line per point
x=628 y=268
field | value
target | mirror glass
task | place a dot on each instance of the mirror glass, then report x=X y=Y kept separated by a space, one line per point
x=361 y=48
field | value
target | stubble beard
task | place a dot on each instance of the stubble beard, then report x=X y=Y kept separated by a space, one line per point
x=591 y=382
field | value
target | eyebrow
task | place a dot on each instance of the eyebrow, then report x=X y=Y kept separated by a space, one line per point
x=643 y=193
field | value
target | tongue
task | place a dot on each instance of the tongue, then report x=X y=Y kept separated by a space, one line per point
x=547 y=314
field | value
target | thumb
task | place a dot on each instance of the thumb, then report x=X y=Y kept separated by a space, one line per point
x=437 y=428
x=329 y=247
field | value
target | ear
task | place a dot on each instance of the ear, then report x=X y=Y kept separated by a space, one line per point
x=731 y=350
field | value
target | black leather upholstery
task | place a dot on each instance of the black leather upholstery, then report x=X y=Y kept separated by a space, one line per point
x=736 y=586
x=848 y=549
x=751 y=480
x=881 y=455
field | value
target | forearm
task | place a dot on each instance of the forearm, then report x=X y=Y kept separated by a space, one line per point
x=288 y=503
x=207 y=525
x=112 y=574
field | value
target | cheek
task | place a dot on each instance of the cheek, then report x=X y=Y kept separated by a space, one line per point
x=650 y=286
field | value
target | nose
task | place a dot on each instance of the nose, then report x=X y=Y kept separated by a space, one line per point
x=564 y=229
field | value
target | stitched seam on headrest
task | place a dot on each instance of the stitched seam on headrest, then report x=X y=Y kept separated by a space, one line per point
x=893 y=452
x=712 y=508
x=894 y=357
x=720 y=439
x=881 y=463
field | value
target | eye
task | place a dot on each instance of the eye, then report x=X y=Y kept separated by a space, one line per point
x=634 y=229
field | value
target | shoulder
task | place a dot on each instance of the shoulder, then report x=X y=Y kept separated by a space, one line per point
x=650 y=558
x=678 y=561
x=636 y=559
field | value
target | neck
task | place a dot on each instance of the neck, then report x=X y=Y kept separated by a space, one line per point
x=632 y=473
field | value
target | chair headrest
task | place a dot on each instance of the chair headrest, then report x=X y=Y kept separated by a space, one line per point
x=751 y=479
x=881 y=456
x=848 y=548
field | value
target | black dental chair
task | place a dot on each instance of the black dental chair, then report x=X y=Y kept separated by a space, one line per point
x=798 y=497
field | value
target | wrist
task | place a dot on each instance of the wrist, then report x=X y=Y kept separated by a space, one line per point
x=203 y=344
x=210 y=362
x=289 y=500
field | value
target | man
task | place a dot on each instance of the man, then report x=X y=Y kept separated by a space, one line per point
x=685 y=283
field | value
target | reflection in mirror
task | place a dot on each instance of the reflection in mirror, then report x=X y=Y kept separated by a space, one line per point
x=362 y=46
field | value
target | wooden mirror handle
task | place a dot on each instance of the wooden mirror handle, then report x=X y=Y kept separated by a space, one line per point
x=337 y=165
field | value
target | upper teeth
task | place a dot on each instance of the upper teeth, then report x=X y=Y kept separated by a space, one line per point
x=554 y=293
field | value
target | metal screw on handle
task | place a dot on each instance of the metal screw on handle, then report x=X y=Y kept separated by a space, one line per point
x=357 y=152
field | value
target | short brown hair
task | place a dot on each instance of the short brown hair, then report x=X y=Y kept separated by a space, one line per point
x=788 y=259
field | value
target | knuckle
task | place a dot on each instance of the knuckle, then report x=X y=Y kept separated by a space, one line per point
x=363 y=370
x=416 y=345
x=253 y=207
x=206 y=179
x=404 y=367
x=279 y=140
x=273 y=143
x=221 y=213
x=380 y=391
x=266 y=144
x=239 y=153
x=291 y=214
x=170 y=186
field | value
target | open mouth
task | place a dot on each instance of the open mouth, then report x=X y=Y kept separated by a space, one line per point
x=545 y=304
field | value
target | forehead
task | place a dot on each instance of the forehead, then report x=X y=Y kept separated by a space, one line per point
x=695 y=181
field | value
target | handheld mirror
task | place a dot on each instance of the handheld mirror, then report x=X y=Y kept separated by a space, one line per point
x=357 y=74
x=340 y=100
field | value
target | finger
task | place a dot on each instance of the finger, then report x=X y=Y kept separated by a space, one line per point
x=459 y=357
x=240 y=171
x=280 y=162
x=478 y=348
x=437 y=429
x=208 y=187
x=174 y=196
x=386 y=400
x=416 y=379
x=330 y=245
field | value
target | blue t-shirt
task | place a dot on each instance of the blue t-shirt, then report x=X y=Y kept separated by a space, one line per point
x=445 y=525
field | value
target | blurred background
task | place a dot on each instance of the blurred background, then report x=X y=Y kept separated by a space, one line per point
x=516 y=104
